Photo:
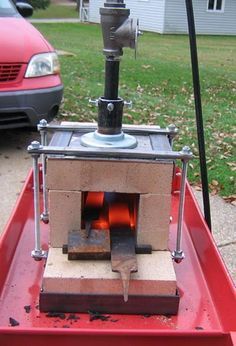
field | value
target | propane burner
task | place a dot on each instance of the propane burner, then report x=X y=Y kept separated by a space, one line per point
x=119 y=31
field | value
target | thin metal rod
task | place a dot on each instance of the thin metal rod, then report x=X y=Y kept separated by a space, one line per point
x=178 y=254
x=37 y=253
x=105 y=153
x=37 y=247
x=131 y=129
x=181 y=205
x=44 y=215
x=198 y=111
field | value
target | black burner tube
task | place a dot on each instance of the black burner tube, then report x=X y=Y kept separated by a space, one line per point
x=111 y=79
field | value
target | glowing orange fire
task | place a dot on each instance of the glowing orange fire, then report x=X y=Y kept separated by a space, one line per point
x=119 y=215
x=115 y=209
x=94 y=200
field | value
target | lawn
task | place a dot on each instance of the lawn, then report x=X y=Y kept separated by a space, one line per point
x=56 y=11
x=159 y=83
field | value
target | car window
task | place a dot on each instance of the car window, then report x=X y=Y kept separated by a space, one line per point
x=7 y=9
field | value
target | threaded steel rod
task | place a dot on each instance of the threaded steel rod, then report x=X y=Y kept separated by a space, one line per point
x=37 y=247
x=44 y=215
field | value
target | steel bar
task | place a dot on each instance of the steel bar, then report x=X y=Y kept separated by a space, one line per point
x=123 y=256
x=37 y=253
x=178 y=253
x=145 y=130
x=198 y=111
x=94 y=247
x=106 y=153
x=43 y=134
x=36 y=203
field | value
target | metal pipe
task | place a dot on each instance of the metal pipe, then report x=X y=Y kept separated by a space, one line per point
x=37 y=253
x=111 y=79
x=110 y=113
x=178 y=254
x=43 y=133
x=198 y=111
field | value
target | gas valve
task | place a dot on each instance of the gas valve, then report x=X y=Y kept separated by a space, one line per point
x=118 y=29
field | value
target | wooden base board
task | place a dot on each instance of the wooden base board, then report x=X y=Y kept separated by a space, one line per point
x=82 y=285
x=109 y=304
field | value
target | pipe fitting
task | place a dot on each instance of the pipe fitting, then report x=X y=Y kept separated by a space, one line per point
x=110 y=114
x=118 y=29
x=126 y=34
x=111 y=19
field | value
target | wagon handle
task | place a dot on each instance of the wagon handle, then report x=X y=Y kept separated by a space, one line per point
x=198 y=111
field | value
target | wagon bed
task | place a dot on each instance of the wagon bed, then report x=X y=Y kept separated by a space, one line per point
x=207 y=308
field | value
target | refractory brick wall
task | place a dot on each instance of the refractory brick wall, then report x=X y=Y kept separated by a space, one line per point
x=66 y=178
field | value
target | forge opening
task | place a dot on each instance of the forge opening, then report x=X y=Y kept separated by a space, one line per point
x=109 y=210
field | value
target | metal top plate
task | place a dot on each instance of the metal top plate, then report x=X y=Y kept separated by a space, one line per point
x=146 y=143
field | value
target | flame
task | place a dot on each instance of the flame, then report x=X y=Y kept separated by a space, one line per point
x=102 y=222
x=133 y=206
x=115 y=209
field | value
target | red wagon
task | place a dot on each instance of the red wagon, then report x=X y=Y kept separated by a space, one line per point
x=207 y=295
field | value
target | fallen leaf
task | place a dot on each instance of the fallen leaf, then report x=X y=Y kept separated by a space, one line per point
x=198 y=188
x=230 y=199
x=214 y=192
x=146 y=66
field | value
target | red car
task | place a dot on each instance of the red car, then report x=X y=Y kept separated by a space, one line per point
x=30 y=84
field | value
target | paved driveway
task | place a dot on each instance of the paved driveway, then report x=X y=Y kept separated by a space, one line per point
x=14 y=166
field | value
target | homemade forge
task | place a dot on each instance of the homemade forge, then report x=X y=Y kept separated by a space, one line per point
x=111 y=213
x=107 y=197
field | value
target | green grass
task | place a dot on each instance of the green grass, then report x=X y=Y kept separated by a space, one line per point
x=56 y=11
x=159 y=83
